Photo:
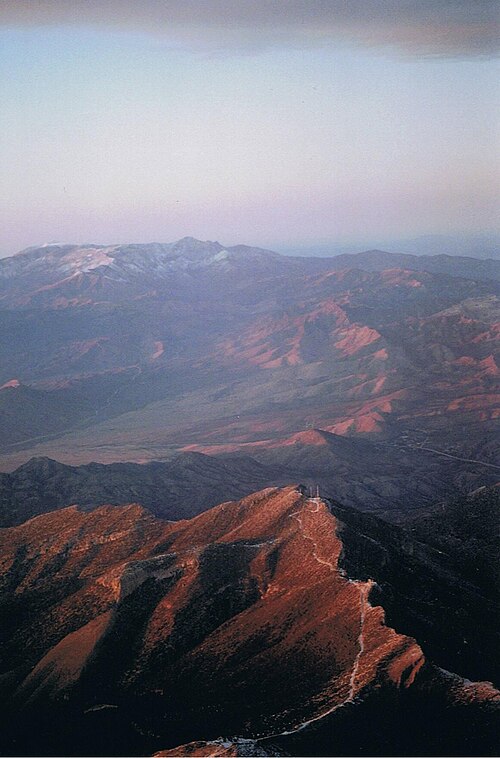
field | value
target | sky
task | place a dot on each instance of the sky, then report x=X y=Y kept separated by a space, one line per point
x=271 y=123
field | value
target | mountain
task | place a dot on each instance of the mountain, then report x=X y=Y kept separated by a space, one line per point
x=473 y=245
x=41 y=274
x=134 y=636
x=478 y=246
x=67 y=275
x=140 y=385
x=393 y=481
x=457 y=539
x=220 y=747
x=177 y=489
x=141 y=352
x=396 y=483
x=440 y=263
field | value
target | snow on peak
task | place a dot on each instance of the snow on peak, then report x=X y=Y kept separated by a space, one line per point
x=87 y=258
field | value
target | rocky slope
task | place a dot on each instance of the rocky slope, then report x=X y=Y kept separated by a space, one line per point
x=435 y=578
x=132 y=634
x=467 y=528
x=221 y=747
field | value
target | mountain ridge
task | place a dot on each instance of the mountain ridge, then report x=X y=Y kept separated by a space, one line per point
x=394 y=483
x=162 y=634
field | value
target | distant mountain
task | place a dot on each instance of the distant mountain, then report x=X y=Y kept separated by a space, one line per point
x=378 y=260
x=473 y=246
x=139 y=352
x=125 y=634
x=65 y=275
x=477 y=246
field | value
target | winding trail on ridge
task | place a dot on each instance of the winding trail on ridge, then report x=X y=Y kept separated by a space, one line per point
x=364 y=590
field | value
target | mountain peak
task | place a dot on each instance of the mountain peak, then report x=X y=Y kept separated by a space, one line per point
x=188 y=240
x=245 y=554
x=41 y=464
x=193 y=245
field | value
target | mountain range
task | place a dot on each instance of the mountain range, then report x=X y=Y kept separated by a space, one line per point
x=153 y=350
x=479 y=246
x=396 y=484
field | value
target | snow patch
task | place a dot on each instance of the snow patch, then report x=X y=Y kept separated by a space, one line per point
x=87 y=259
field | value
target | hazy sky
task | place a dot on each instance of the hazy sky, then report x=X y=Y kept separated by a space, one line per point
x=270 y=123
